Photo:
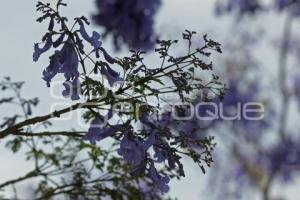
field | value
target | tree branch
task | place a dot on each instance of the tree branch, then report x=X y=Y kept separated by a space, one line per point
x=22 y=178
x=56 y=114
x=46 y=133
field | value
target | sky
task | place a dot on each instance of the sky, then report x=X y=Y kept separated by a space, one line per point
x=19 y=32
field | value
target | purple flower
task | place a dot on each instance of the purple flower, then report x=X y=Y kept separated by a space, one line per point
x=69 y=60
x=148 y=121
x=283 y=158
x=129 y=21
x=281 y=4
x=59 y=40
x=161 y=153
x=111 y=75
x=64 y=61
x=39 y=51
x=98 y=131
x=95 y=131
x=94 y=40
x=160 y=181
x=72 y=89
x=235 y=97
x=107 y=57
x=53 y=68
x=132 y=149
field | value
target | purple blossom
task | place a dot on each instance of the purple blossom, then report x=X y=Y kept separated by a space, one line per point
x=111 y=75
x=69 y=60
x=72 y=89
x=95 y=131
x=253 y=129
x=59 y=40
x=283 y=158
x=130 y=21
x=132 y=149
x=98 y=131
x=94 y=40
x=39 y=51
x=53 y=68
x=163 y=152
x=160 y=181
x=107 y=57
x=64 y=61
x=280 y=160
x=282 y=4
x=148 y=120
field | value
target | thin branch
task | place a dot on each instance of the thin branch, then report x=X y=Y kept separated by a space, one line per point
x=34 y=120
x=20 y=179
x=46 y=133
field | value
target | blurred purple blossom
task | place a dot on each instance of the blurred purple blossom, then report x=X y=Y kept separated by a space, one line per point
x=240 y=6
x=292 y=6
x=283 y=158
x=252 y=129
x=252 y=6
x=131 y=21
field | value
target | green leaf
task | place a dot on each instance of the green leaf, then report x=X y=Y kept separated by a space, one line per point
x=157 y=80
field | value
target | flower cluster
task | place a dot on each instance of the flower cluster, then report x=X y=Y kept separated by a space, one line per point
x=153 y=139
x=65 y=60
x=131 y=21
x=136 y=149
x=146 y=139
x=98 y=130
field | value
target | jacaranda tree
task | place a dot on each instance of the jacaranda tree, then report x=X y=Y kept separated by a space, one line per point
x=125 y=100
